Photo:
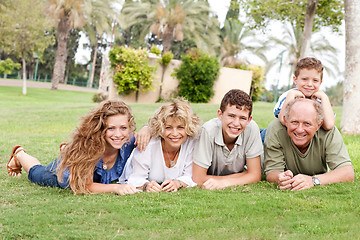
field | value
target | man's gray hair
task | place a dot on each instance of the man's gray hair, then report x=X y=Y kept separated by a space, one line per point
x=316 y=104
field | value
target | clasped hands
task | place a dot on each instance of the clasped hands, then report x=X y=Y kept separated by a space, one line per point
x=167 y=186
x=287 y=181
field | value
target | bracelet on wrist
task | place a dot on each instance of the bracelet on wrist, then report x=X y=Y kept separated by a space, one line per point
x=181 y=185
x=144 y=186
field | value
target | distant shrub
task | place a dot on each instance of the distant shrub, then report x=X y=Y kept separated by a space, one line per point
x=166 y=58
x=99 y=97
x=197 y=75
x=7 y=66
x=155 y=50
x=132 y=70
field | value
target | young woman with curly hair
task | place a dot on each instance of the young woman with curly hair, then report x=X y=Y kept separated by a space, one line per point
x=93 y=159
x=166 y=164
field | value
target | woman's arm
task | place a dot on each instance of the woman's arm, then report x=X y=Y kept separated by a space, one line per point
x=120 y=189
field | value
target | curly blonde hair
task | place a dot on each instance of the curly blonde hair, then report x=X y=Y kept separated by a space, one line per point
x=87 y=146
x=178 y=109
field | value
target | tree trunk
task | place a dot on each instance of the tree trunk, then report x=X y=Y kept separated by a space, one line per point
x=167 y=39
x=93 y=64
x=162 y=80
x=24 y=90
x=137 y=91
x=350 y=120
x=67 y=73
x=61 y=52
x=308 y=25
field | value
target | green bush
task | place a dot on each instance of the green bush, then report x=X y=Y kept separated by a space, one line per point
x=166 y=58
x=155 y=50
x=132 y=71
x=99 y=97
x=197 y=75
x=7 y=66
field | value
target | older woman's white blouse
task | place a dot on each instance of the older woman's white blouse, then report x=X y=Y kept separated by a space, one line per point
x=149 y=165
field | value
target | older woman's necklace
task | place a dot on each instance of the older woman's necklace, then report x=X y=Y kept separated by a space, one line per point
x=172 y=160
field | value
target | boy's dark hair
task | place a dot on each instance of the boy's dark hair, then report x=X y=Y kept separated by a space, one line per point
x=238 y=98
x=309 y=63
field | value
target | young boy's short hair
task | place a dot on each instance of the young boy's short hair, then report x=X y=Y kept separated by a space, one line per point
x=238 y=98
x=309 y=63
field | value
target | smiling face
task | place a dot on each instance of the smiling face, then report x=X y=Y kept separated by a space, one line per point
x=118 y=131
x=233 y=122
x=174 y=134
x=308 y=81
x=301 y=124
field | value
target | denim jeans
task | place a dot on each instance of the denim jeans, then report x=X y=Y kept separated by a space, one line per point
x=46 y=175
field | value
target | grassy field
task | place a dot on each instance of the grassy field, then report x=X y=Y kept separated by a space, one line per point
x=43 y=119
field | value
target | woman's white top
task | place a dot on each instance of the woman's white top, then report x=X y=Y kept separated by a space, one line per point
x=149 y=165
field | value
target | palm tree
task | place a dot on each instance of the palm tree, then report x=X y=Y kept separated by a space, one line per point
x=98 y=26
x=170 y=20
x=66 y=15
x=236 y=38
x=290 y=43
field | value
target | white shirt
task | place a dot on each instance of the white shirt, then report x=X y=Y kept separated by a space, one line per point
x=149 y=165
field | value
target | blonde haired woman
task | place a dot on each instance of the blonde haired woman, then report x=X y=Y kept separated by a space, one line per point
x=166 y=164
x=94 y=158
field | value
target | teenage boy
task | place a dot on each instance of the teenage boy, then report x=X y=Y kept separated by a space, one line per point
x=229 y=148
x=307 y=78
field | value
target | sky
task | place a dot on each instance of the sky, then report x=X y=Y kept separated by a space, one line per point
x=220 y=8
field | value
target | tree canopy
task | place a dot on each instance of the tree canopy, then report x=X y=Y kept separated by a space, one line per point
x=260 y=12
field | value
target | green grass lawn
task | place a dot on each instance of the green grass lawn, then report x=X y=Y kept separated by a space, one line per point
x=43 y=119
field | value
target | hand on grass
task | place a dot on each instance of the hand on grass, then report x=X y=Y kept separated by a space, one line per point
x=212 y=184
x=153 y=186
x=302 y=182
x=285 y=180
x=123 y=189
x=170 y=185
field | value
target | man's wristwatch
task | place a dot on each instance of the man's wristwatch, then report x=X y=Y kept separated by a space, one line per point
x=316 y=181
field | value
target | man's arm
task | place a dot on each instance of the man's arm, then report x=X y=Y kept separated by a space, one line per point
x=329 y=116
x=199 y=174
x=342 y=174
x=251 y=175
x=302 y=181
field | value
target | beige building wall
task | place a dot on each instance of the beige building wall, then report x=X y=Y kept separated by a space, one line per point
x=229 y=78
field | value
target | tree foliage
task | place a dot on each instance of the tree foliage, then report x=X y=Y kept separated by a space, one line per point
x=197 y=75
x=7 y=66
x=132 y=71
x=261 y=12
x=172 y=20
x=25 y=31
x=335 y=93
x=289 y=44
x=98 y=27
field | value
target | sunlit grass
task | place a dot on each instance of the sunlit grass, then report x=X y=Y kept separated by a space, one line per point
x=44 y=118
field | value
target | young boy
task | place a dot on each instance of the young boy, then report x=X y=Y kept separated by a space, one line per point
x=229 y=148
x=307 y=78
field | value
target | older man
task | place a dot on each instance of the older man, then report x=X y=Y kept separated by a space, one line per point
x=299 y=154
